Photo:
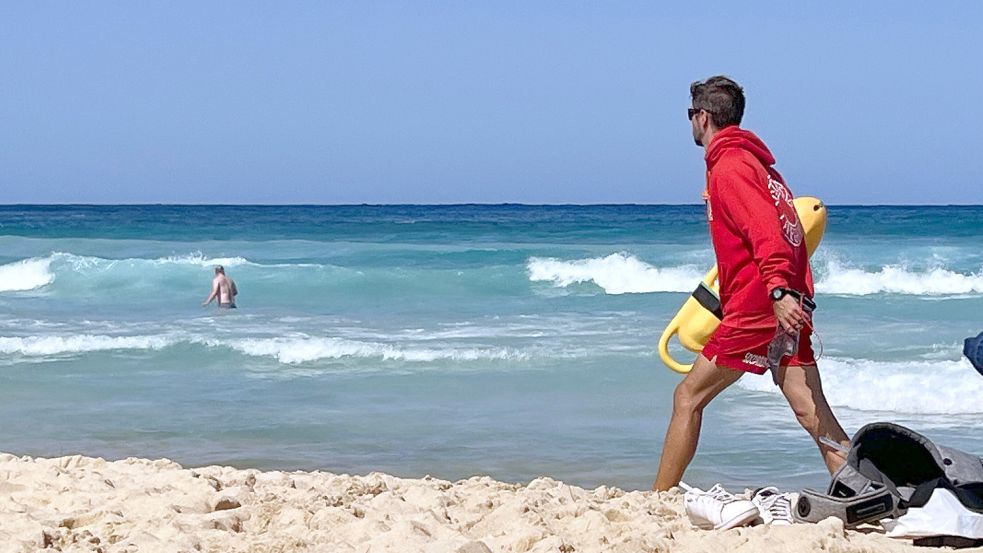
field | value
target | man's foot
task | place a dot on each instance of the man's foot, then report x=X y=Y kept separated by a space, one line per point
x=716 y=508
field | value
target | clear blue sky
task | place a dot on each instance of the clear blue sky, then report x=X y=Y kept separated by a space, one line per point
x=437 y=102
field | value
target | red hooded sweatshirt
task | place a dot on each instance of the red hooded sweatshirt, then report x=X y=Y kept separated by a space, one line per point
x=756 y=234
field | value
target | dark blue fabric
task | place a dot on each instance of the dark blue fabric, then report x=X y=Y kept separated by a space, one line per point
x=973 y=350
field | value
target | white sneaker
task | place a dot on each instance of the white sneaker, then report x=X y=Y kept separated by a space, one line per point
x=717 y=509
x=775 y=507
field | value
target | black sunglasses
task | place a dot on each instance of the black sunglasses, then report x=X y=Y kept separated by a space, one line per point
x=691 y=112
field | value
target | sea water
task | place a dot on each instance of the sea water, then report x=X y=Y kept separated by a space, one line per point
x=513 y=341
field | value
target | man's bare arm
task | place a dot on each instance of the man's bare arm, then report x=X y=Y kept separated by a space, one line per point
x=211 y=296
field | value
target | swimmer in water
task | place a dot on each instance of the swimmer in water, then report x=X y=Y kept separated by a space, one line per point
x=223 y=289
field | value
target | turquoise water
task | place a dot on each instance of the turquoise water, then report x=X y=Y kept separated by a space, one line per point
x=514 y=341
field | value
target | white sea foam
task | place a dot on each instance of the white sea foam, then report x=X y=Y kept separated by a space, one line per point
x=285 y=350
x=84 y=262
x=305 y=349
x=37 y=272
x=622 y=273
x=37 y=346
x=618 y=273
x=200 y=259
x=27 y=274
x=909 y=388
x=897 y=279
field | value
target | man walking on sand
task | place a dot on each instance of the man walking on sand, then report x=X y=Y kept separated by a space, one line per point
x=223 y=288
x=764 y=276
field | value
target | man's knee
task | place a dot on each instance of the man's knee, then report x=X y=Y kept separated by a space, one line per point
x=700 y=386
x=682 y=400
x=687 y=399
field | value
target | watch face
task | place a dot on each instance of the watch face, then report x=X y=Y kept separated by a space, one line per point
x=776 y=294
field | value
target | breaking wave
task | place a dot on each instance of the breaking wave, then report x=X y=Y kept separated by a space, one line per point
x=284 y=350
x=39 y=346
x=29 y=274
x=38 y=272
x=913 y=387
x=301 y=350
x=618 y=273
x=897 y=279
x=622 y=273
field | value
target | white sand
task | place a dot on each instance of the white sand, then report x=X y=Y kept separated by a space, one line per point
x=84 y=504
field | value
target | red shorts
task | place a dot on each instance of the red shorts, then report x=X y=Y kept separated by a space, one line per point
x=755 y=359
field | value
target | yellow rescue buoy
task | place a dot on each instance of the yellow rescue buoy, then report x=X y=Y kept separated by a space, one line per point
x=695 y=323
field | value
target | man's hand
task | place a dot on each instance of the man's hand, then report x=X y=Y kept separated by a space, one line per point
x=789 y=314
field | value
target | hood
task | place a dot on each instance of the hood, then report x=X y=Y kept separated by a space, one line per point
x=736 y=137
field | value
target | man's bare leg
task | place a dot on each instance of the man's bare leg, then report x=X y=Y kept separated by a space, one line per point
x=804 y=391
x=703 y=383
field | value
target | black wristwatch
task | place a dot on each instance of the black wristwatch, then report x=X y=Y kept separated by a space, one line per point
x=779 y=293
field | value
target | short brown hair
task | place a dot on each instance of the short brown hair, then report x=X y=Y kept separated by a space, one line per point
x=721 y=97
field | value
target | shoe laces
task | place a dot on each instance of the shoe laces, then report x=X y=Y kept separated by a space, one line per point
x=716 y=493
x=778 y=505
x=720 y=494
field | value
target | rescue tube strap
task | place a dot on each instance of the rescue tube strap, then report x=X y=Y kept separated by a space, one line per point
x=709 y=300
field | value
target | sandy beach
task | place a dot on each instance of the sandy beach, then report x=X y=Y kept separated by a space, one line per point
x=80 y=504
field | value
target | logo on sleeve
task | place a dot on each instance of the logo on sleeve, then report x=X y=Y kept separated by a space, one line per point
x=787 y=216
